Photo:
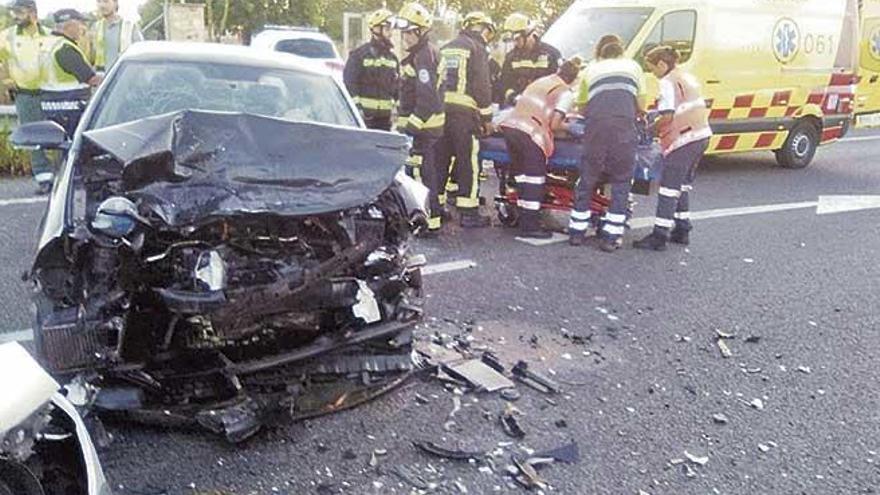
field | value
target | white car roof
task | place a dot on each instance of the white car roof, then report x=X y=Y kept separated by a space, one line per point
x=269 y=37
x=172 y=51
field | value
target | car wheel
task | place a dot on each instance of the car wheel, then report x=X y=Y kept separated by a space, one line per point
x=800 y=147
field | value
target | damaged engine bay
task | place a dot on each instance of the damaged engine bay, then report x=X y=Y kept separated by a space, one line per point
x=228 y=270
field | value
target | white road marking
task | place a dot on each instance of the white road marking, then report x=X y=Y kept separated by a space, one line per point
x=856 y=139
x=557 y=238
x=451 y=266
x=23 y=201
x=841 y=204
x=645 y=222
x=18 y=336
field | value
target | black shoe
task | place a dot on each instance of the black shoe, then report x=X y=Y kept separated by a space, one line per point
x=680 y=236
x=653 y=242
x=608 y=245
x=473 y=220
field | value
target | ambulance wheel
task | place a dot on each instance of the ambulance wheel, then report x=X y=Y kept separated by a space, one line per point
x=800 y=147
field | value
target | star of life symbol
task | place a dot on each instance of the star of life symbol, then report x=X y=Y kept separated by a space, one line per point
x=786 y=40
x=874 y=43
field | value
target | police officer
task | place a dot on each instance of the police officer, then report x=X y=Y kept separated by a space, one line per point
x=371 y=72
x=111 y=35
x=467 y=94
x=684 y=136
x=614 y=90
x=528 y=133
x=420 y=112
x=529 y=60
x=20 y=47
x=68 y=78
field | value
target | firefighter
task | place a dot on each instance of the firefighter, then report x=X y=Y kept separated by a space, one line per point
x=529 y=60
x=69 y=79
x=111 y=35
x=467 y=94
x=684 y=133
x=371 y=72
x=528 y=133
x=420 y=112
x=614 y=90
x=20 y=47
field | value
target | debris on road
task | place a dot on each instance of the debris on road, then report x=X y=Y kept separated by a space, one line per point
x=436 y=450
x=529 y=476
x=568 y=453
x=480 y=375
x=510 y=423
x=702 y=461
x=541 y=383
x=725 y=351
x=753 y=339
x=805 y=369
x=724 y=335
x=510 y=394
x=720 y=419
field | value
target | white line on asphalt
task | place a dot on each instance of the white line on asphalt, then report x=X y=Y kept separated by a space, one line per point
x=19 y=336
x=451 y=266
x=23 y=201
x=645 y=222
x=856 y=139
x=557 y=238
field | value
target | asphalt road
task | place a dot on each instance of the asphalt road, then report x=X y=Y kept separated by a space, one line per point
x=642 y=376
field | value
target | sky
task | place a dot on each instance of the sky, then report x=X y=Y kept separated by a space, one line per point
x=128 y=8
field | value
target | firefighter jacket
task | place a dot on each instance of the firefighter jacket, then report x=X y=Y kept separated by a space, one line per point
x=522 y=67
x=464 y=76
x=680 y=98
x=371 y=78
x=420 y=112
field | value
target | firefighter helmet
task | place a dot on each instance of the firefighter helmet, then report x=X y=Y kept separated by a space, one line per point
x=379 y=17
x=517 y=23
x=475 y=19
x=414 y=16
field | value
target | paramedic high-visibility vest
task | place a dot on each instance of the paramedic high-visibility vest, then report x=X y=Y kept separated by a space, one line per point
x=24 y=57
x=125 y=33
x=534 y=110
x=56 y=78
x=690 y=122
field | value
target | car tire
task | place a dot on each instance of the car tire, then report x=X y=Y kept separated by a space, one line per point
x=799 y=149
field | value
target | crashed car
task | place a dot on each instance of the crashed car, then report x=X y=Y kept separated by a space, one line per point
x=226 y=245
x=45 y=448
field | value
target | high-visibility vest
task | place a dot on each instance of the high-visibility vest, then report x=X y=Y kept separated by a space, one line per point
x=24 y=57
x=56 y=78
x=690 y=122
x=534 y=110
x=125 y=33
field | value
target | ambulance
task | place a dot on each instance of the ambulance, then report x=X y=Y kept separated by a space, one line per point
x=778 y=75
x=868 y=92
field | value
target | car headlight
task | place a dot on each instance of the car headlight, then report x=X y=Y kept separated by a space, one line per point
x=210 y=271
x=116 y=217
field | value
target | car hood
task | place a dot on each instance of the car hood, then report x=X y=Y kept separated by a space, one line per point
x=189 y=166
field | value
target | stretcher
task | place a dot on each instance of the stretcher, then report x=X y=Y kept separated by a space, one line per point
x=563 y=172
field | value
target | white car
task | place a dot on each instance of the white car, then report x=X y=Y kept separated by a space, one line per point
x=302 y=42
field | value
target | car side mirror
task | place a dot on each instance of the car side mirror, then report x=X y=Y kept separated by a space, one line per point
x=43 y=135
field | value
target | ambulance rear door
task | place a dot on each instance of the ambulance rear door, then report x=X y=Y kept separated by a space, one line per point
x=868 y=91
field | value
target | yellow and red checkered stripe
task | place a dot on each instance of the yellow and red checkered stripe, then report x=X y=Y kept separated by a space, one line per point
x=762 y=108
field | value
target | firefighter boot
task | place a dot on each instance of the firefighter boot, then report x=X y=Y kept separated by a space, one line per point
x=680 y=235
x=530 y=226
x=471 y=219
x=656 y=241
x=608 y=244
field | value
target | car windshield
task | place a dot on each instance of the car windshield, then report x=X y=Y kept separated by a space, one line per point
x=579 y=29
x=308 y=48
x=145 y=89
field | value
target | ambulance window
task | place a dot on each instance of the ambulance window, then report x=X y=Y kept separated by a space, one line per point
x=676 y=29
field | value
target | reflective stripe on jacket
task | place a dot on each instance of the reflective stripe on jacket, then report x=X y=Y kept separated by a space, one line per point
x=522 y=67
x=420 y=111
x=24 y=56
x=56 y=78
x=464 y=76
x=371 y=77
x=126 y=32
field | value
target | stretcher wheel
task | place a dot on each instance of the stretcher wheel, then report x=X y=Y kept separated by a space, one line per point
x=508 y=214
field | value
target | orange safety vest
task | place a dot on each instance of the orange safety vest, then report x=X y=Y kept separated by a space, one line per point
x=690 y=122
x=534 y=110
